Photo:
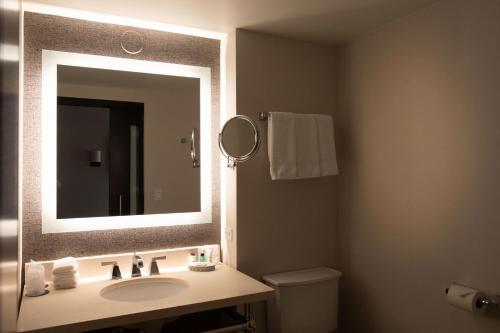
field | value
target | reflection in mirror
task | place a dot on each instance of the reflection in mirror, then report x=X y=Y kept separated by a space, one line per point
x=124 y=143
x=239 y=140
x=238 y=137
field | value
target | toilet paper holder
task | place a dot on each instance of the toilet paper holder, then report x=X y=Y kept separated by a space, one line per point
x=487 y=302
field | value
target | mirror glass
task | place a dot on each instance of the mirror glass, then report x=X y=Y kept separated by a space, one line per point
x=124 y=142
x=238 y=137
x=239 y=140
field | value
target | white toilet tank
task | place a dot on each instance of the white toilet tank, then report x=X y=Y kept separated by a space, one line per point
x=306 y=301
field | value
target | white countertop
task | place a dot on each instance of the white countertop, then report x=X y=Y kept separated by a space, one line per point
x=82 y=308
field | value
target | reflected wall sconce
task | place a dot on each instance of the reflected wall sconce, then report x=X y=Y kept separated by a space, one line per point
x=95 y=158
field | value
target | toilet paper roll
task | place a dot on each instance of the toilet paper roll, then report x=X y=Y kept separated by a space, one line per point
x=466 y=298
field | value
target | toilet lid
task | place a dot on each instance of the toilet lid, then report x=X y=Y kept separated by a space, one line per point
x=305 y=276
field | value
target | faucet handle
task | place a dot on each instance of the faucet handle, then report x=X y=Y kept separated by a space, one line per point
x=137 y=260
x=137 y=264
x=116 y=274
x=153 y=268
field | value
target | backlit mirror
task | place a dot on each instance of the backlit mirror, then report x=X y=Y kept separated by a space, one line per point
x=128 y=138
x=126 y=143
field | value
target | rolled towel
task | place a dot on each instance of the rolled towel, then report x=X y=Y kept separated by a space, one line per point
x=64 y=265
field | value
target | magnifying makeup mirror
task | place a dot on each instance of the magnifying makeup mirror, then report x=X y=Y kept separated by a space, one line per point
x=239 y=140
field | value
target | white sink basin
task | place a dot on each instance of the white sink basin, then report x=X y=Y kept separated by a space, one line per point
x=143 y=289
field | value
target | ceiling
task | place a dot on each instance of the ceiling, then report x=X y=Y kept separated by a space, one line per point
x=325 y=21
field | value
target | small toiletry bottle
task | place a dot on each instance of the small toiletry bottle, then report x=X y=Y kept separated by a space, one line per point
x=202 y=257
x=192 y=257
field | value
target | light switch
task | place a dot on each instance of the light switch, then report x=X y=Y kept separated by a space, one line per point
x=158 y=194
x=229 y=233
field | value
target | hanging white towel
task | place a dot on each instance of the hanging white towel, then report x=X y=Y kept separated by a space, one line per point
x=307 y=146
x=301 y=146
x=327 y=154
x=281 y=145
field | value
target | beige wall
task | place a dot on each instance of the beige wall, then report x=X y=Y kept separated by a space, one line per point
x=283 y=225
x=418 y=140
x=228 y=175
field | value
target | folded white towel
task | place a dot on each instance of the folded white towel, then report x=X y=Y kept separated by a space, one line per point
x=281 y=145
x=327 y=154
x=64 y=282
x=66 y=285
x=306 y=140
x=62 y=277
x=65 y=274
x=67 y=264
x=66 y=279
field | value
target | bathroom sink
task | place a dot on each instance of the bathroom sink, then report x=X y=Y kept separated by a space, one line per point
x=143 y=289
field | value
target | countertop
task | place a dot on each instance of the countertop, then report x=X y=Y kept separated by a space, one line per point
x=82 y=308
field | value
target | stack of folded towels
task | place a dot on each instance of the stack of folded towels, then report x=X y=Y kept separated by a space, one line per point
x=65 y=273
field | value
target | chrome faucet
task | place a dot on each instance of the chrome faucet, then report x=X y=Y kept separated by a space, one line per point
x=153 y=268
x=116 y=274
x=137 y=264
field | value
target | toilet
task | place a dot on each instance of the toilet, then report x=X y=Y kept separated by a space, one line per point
x=306 y=301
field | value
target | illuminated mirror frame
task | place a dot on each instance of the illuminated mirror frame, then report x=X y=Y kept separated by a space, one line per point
x=50 y=222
